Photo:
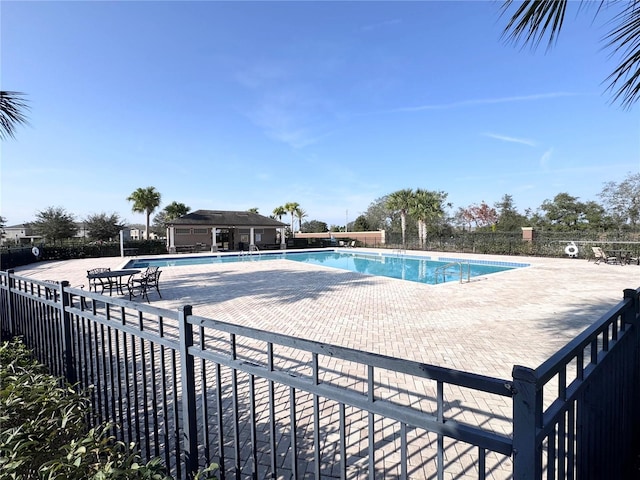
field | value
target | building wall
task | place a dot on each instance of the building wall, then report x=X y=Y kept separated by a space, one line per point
x=199 y=235
x=373 y=238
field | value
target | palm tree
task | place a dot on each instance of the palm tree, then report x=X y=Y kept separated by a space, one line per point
x=401 y=201
x=279 y=211
x=12 y=108
x=145 y=200
x=291 y=207
x=300 y=214
x=427 y=206
x=253 y=210
x=175 y=210
x=534 y=18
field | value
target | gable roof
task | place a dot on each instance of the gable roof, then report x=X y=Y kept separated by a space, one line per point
x=222 y=218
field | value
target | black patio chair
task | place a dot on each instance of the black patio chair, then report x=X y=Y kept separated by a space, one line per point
x=103 y=283
x=149 y=279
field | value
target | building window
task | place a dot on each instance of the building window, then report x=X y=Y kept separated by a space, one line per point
x=183 y=231
x=244 y=238
x=201 y=230
x=258 y=237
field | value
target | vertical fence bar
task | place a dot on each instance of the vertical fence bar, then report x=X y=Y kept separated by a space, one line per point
x=67 y=346
x=189 y=413
x=10 y=307
x=527 y=455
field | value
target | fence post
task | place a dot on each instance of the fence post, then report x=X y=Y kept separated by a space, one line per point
x=527 y=410
x=631 y=314
x=187 y=372
x=67 y=343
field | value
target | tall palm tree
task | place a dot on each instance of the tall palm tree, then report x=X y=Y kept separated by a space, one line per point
x=401 y=201
x=300 y=214
x=533 y=19
x=291 y=208
x=145 y=200
x=12 y=112
x=427 y=206
x=279 y=211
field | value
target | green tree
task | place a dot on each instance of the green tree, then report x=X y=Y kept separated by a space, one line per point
x=315 y=226
x=595 y=217
x=12 y=113
x=361 y=224
x=145 y=200
x=300 y=215
x=253 y=210
x=401 y=201
x=55 y=223
x=534 y=19
x=103 y=227
x=622 y=201
x=509 y=220
x=563 y=213
x=378 y=214
x=291 y=208
x=3 y=223
x=279 y=212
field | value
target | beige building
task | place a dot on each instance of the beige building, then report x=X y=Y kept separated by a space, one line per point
x=212 y=230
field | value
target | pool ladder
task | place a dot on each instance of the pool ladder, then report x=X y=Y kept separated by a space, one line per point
x=443 y=269
x=253 y=250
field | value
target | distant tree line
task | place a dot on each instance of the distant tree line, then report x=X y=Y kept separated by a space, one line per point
x=407 y=213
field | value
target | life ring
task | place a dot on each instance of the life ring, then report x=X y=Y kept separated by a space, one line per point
x=35 y=251
x=571 y=250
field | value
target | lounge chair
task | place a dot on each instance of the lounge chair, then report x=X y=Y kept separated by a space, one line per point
x=600 y=256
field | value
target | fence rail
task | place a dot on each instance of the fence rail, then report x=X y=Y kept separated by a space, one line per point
x=193 y=390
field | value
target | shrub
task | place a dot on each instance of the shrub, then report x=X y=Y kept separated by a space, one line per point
x=44 y=432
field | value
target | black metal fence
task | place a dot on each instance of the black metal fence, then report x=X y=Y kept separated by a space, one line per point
x=192 y=390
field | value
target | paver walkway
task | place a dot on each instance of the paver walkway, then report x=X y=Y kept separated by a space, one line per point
x=486 y=326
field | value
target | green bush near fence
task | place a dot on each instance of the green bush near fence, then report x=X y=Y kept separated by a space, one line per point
x=44 y=433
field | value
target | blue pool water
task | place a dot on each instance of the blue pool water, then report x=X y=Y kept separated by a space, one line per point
x=404 y=267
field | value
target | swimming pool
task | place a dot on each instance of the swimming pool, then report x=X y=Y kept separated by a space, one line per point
x=404 y=267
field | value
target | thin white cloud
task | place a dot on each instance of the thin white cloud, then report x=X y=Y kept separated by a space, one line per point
x=546 y=159
x=485 y=101
x=505 y=138
x=376 y=26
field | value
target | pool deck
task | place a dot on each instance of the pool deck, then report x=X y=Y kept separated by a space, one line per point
x=486 y=326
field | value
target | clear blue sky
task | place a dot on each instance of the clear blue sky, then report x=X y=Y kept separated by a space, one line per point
x=233 y=105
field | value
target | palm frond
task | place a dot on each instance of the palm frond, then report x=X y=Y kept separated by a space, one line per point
x=533 y=20
x=12 y=113
x=625 y=39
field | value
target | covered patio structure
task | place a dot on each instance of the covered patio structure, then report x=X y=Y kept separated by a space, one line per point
x=215 y=230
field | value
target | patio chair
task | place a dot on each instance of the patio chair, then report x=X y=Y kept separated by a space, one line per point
x=103 y=283
x=149 y=279
x=600 y=256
